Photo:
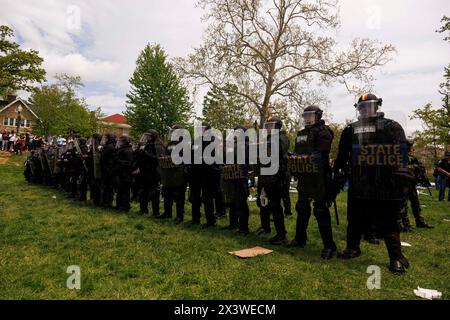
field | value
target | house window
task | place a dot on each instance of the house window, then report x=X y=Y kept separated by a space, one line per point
x=5 y=121
x=12 y=122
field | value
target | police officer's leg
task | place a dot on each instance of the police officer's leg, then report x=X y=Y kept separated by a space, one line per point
x=195 y=199
x=405 y=223
x=83 y=187
x=275 y=208
x=413 y=197
x=219 y=205
x=180 y=195
x=243 y=214
x=98 y=192
x=442 y=187
x=234 y=220
x=322 y=214
x=303 y=209
x=286 y=197
x=168 y=194
x=74 y=186
x=355 y=226
x=119 y=195
x=208 y=201
x=448 y=185
x=389 y=221
x=144 y=194
x=125 y=205
x=155 y=193
x=108 y=193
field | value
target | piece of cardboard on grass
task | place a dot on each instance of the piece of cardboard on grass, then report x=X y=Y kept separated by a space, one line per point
x=251 y=252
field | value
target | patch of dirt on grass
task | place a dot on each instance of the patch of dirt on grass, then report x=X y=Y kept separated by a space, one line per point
x=4 y=157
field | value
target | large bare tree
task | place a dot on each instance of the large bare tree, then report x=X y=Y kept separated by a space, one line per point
x=273 y=49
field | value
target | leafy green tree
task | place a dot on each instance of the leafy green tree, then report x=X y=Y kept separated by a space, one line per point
x=436 y=121
x=19 y=69
x=60 y=111
x=157 y=98
x=224 y=110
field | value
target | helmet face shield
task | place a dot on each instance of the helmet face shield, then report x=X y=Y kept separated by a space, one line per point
x=309 y=118
x=367 y=109
x=104 y=140
x=146 y=138
x=270 y=125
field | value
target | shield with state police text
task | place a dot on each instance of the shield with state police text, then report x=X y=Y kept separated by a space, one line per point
x=379 y=159
x=172 y=175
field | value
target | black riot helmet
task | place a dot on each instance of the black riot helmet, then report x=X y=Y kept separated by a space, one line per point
x=149 y=136
x=109 y=138
x=82 y=141
x=97 y=137
x=124 y=141
x=368 y=105
x=311 y=115
x=272 y=123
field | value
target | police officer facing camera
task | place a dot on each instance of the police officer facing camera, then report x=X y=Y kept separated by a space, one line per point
x=147 y=171
x=107 y=164
x=124 y=168
x=270 y=187
x=173 y=180
x=312 y=152
x=373 y=150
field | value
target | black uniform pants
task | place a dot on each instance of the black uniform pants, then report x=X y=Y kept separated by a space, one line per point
x=203 y=192
x=177 y=195
x=95 y=186
x=286 y=197
x=385 y=214
x=323 y=217
x=149 y=192
x=273 y=192
x=123 y=195
x=107 y=191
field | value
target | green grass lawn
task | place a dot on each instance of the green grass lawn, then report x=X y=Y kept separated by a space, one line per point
x=133 y=257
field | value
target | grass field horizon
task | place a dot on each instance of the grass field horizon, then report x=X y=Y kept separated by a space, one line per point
x=128 y=256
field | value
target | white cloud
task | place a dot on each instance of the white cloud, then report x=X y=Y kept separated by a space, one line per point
x=77 y=64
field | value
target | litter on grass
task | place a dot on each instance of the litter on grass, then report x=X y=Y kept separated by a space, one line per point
x=251 y=252
x=428 y=293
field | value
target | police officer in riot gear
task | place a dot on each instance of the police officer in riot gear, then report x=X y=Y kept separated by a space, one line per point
x=373 y=151
x=312 y=150
x=82 y=153
x=124 y=169
x=147 y=171
x=93 y=163
x=270 y=186
x=234 y=181
x=107 y=160
x=418 y=171
x=173 y=180
x=204 y=183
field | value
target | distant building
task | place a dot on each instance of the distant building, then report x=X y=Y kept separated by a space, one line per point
x=116 y=124
x=9 y=115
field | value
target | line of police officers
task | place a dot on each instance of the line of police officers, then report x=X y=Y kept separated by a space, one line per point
x=372 y=158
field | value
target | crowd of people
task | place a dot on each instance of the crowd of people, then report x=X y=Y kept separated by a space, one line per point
x=17 y=143
x=375 y=160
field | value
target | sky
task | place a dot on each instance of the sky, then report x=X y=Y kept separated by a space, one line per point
x=101 y=40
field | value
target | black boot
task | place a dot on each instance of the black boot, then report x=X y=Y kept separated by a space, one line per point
x=348 y=254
